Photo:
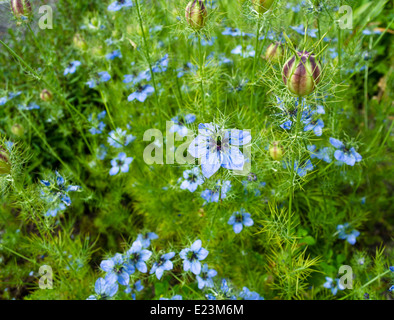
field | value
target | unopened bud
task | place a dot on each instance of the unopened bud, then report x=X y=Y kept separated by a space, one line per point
x=5 y=166
x=21 y=9
x=196 y=14
x=46 y=95
x=301 y=73
x=276 y=151
x=274 y=52
x=262 y=6
x=79 y=42
x=18 y=130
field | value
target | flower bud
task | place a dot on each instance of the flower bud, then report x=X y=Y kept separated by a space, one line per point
x=18 y=130
x=301 y=73
x=196 y=14
x=276 y=151
x=46 y=95
x=262 y=6
x=5 y=166
x=21 y=9
x=274 y=52
x=79 y=42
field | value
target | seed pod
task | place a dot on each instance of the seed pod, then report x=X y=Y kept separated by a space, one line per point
x=274 y=52
x=262 y=6
x=79 y=42
x=301 y=73
x=18 y=130
x=21 y=9
x=196 y=14
x=5 y=166
x=46 y=95
x=276 y=151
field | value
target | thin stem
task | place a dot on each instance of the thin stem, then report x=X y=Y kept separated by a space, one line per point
x=201 y=61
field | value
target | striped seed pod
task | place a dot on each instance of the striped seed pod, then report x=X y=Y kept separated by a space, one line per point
x=196 y=14
x=21 y=9
x=274 y=52
x=5 y=166
x=276 y=151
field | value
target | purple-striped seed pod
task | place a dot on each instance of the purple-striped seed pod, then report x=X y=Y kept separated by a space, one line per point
x=262 y=6
x=276 y=151
x=196 y=14
x=46 y=95
x=21 y=9
x=5 y=166
x=18 y=130
x=274 y=52
x=302 y=73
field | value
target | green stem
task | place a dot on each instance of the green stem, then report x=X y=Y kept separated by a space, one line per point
x=201 y=62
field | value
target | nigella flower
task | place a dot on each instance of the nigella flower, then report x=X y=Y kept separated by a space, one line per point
x=391 y=289
x=116 y=270
x=346 y=234
x=192 y=257
x=11 y=95
x=101 y=152
x=369 y=32
x=344 y=154
x=246 y=294
x=313 y=123
x=98 y=126
x=103 y=290
x=179 y=124
x=146 y=238
x=176 y=297
x=30 y=106
x=226 y=290
x=204 y=279
x=301 y=30
x=218 y=147
x=223 y=60
x=119 y=138
x=286 y=125
x=72 y=67
x=187 y=68
x=103 y=76
x=321 y=154
x=204 y=40
x=163 y=264
x=301 y=169
x=240 y=219
x=213 y=195
x=113 y=55
x=245 y=53
x=137 y=287
x=193 y=179
x=120 y=163
x=135 y=258
x=161 y=65
x=235 y=32
x=117 y=5
x=142 y=93
x=334 y=285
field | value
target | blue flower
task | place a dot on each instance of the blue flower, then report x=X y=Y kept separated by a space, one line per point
x=97 y=126
x=103 y=76
x=218 y=147
x=344 y=233
x=312 y=123
x=176 y=297
x=301 y=169
x=193 y=179
x=213 y=195
x=30 y=106
x=286 y=125
x=117 y=5
x=329 y=284
x=103 y=290
x=121 y=163
x=164 y=264
x=113 y=55
x=321 y=154
x=235 y=32
x=246 y=294
x=391 y=289
x=72 y=67
x=245 y=53
x=187 y=68
x=344 y=154
x=161 y=65
x=101 y=152
x=204 y=279
x=146 y=238
x=119 y=138
x=142 y=93
x=137 y=287
x=301 y=30
x=179 y=124
x=240 y=219
x=116 y=270
x=192 y=257
x=136 y=257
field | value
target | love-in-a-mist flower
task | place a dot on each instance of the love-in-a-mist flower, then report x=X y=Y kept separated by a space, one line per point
x=216 y=147
x=116 y=270
x=102 y=76
x=161 y=65
x=235 y=32
x=204 y=279
x=334 y=285
x=321 y=154
x=312 y=122
x=196 y=14
x=146 y=238
x=301 y=30
x=345 y=154
x=346 y=233
x=120 y=163
x=221 y=189
x=135 y=258
x=142 y=93
x=137 y=287
x=176 y=297
x=97 y=125
x=114 y=54
x=274 y=52
x=180 y=122
x=239 y=219
x=163 y=264
x=5 y=164
x=244 y=52
x=301 y=168
x=119 y=138
x=72 y=67
x=193 y=178
x=192 y=257
x=104 y=290
x=117 y=5
x=302 y=73
x=246 y=294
